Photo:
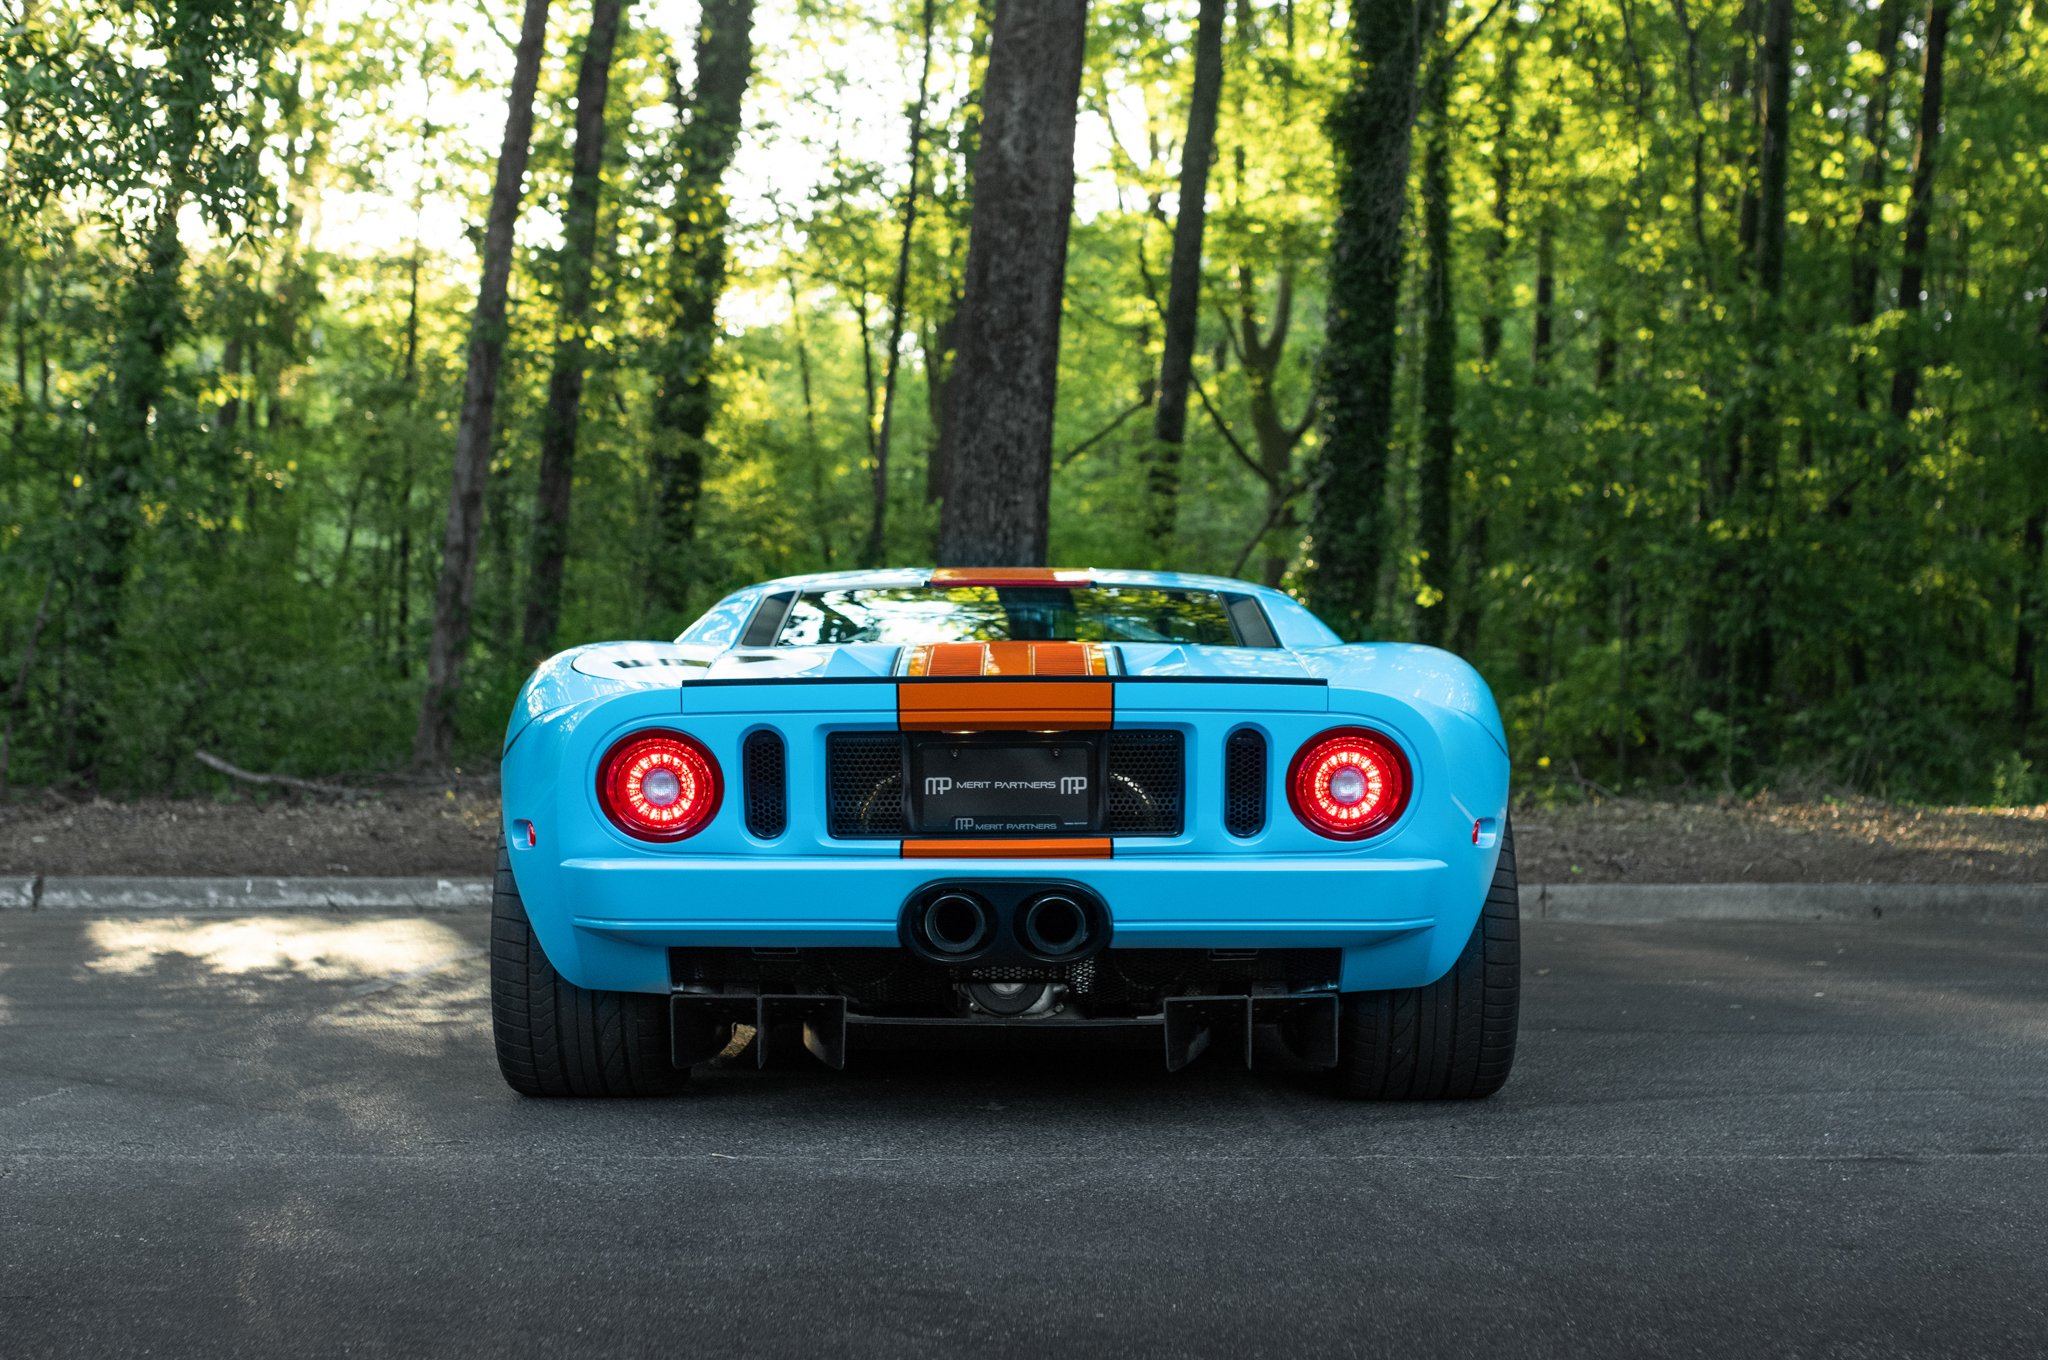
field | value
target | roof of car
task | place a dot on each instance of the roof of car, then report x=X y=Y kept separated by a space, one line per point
x=880 y=578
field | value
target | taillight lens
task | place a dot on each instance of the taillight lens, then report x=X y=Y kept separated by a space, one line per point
x=659 y=786
x=1348 y=783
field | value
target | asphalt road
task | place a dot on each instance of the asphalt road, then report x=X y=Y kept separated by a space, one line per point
x=269 y=1136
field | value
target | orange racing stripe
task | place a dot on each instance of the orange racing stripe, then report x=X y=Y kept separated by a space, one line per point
x=1006 y=706
x=956 y=659
x=1073 y=847
x=1008 y=576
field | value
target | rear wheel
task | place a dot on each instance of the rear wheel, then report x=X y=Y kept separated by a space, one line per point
x=1455 y=1038
x=557 y=1039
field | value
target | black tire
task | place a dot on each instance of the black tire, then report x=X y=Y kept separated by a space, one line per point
x=558 y=1039
x=1455 y=1038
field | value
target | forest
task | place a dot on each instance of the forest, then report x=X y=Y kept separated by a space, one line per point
x=1681 y=363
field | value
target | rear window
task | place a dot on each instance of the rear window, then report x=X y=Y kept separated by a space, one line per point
x=909 y=616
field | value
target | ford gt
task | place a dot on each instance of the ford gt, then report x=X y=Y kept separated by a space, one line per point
x=968 y=797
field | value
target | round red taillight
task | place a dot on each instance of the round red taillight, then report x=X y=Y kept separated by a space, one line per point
x=659 y=786
x=1348 y=783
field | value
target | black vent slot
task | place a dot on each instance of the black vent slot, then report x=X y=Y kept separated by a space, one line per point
x=763 y=771
x=1244 y=783
x=864 y=785
x=1144 y=795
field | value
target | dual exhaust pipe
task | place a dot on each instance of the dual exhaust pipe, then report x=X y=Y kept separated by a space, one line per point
x=1042 y=923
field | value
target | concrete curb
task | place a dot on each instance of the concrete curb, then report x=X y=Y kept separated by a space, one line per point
x=1642 y=903
x=1609 y=903
x=241 y=896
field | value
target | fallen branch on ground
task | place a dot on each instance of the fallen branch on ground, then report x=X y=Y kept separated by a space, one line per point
x=214 y=762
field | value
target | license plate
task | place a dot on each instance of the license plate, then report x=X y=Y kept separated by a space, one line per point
x=1005 y=788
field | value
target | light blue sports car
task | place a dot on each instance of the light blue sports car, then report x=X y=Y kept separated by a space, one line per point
x=984 y=797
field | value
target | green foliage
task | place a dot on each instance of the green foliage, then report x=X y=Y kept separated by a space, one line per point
x=237 y=262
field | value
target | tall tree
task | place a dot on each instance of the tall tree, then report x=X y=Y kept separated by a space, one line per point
x=1503 y=192
x=954 y=203
x=1919 y=213
x=565 y=385
x=455 y=594
x=1733 y=644
x=1877 y=108
x=707 y=134
x=1369 y=134
x=997 y=446
x=899 y=289
x=1439 y=368
x=1756 y=476
x=2033 y=590
x=1184 y=277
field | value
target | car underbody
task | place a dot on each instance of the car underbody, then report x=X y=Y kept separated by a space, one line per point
x=1195 y=998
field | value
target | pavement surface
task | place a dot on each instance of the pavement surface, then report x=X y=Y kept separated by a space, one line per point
x=282 y=1134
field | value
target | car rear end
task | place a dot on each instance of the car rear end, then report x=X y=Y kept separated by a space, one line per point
x=1195 y=839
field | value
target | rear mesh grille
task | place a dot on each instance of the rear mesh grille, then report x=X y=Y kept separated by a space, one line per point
x=864 y=785
x=762 y=771
x=1244 y=783
x=1144 y=796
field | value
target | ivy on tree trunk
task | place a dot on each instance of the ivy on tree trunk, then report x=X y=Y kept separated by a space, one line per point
x=1369 y=134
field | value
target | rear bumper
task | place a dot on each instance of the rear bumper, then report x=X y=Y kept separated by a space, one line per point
x=1399 y=922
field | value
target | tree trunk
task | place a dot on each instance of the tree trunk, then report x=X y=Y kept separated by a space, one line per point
x=939 y=346
x=1369 y=136
x=816 y=455
x=899 y=287
x=1919 y=209
x=683 y=402
x=18 y=305
x=2026 y=635
x=1774 y=148
x=1754 y=445
x=2033 y=592
x=229 y=413
x=866 y=331
x=151 y=318
x=1439 y=372
x=1755 y=656
x=401 y=491
x=1864 y=252
x=956 y=204
x=1546 y=296
x=998 y=439
x=1490 y=326
x=1184 y=279
x=565 y=386
x=455 y=594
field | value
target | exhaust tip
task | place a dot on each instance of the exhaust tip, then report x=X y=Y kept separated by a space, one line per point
x=1055 y=925
x=955 y=924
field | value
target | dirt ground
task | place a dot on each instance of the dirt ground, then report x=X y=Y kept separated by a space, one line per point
x=449 y=828
x=446 y=829
x=1765 y=841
